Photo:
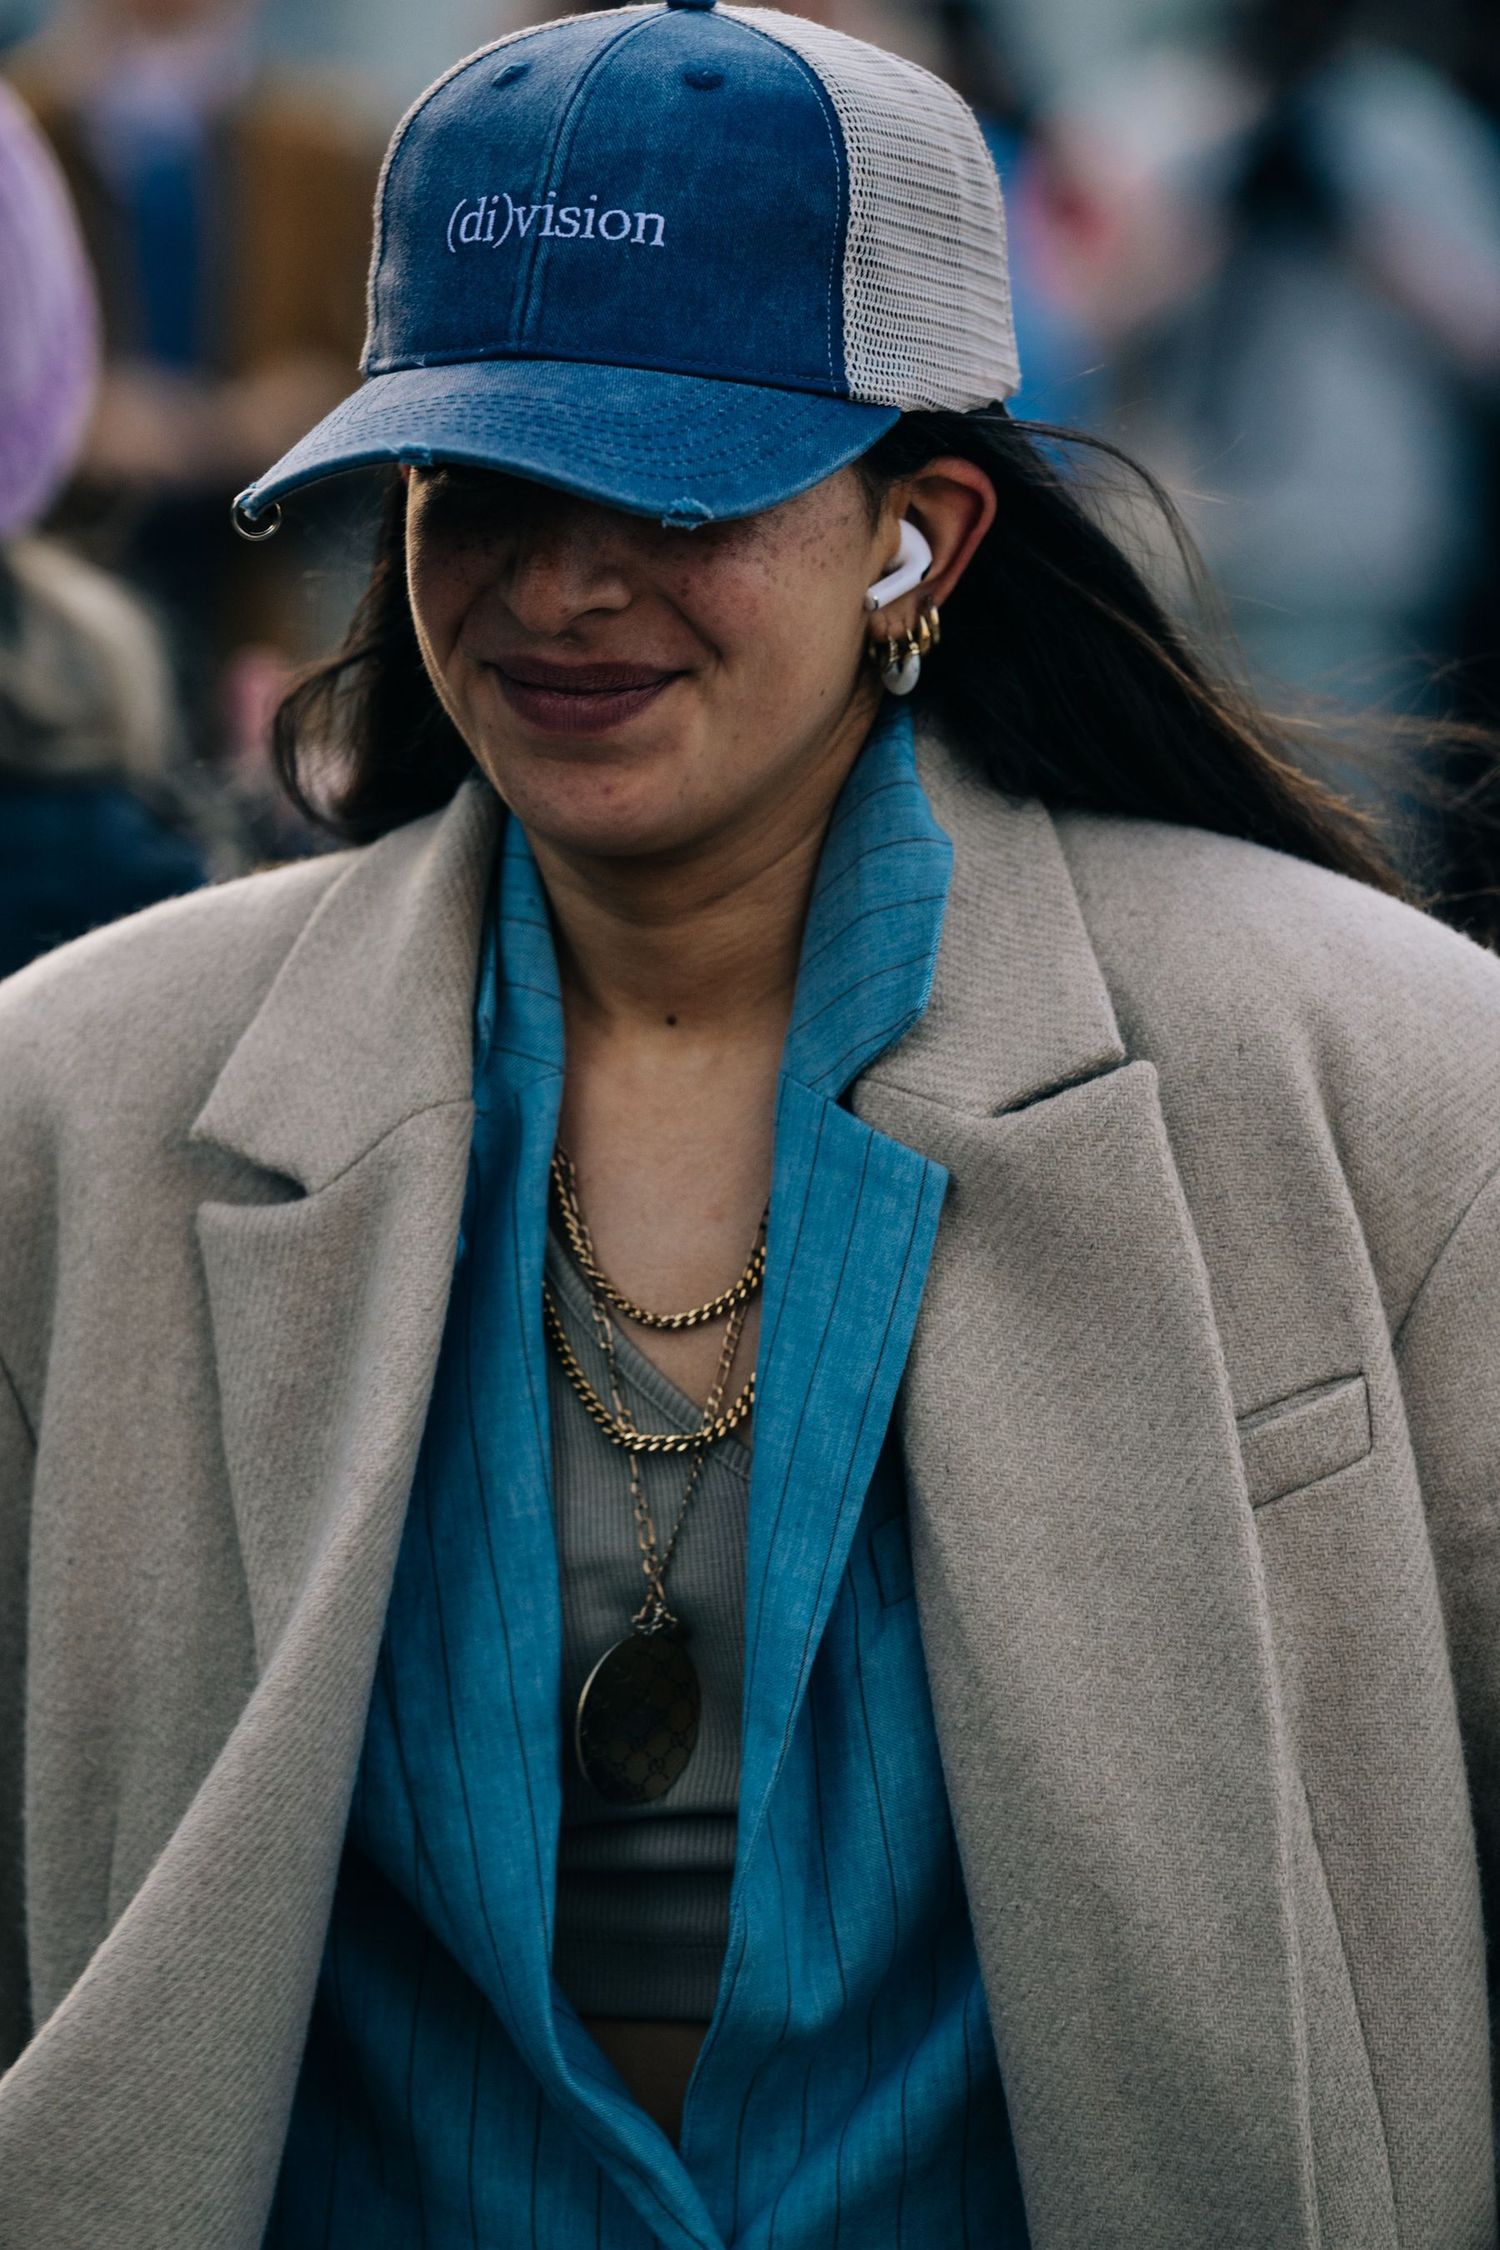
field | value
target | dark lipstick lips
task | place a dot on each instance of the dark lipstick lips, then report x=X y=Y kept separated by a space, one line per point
x=582 y=679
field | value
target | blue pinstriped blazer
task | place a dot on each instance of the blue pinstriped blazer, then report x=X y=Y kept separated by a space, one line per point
x=848 y=2088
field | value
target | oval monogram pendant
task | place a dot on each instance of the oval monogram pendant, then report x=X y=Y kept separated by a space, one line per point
x=637 y=1721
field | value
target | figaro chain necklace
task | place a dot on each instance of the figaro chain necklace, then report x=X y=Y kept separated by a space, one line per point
x=636 y=1725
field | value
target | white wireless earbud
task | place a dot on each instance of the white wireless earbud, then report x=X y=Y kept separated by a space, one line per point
x=913 y=561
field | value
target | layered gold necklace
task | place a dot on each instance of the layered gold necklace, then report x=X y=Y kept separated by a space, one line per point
x=638 y=1715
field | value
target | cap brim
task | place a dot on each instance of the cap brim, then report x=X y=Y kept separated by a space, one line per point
x=681 y=448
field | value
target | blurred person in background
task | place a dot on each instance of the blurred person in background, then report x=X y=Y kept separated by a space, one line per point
x=1295 y=254
x=91 y=794
x=227 y=215
x=1060 y=356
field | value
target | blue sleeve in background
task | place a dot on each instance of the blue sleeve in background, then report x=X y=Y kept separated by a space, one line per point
x=74 y=855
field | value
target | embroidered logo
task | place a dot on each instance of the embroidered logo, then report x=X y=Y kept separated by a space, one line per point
x=485 y=221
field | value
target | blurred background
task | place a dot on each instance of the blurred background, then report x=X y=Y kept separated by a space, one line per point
x=1255 y=244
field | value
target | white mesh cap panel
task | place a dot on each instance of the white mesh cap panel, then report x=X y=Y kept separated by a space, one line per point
x=927 y=313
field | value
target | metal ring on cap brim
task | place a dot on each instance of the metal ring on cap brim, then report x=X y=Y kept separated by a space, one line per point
x=256 y=527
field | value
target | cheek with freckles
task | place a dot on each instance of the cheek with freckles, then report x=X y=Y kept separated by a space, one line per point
x=780 y=595
x=450 y=562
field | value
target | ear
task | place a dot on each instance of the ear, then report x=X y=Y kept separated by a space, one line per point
x=952 y=503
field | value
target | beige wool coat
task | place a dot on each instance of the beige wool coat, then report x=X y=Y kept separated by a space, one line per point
x=1202 y=1425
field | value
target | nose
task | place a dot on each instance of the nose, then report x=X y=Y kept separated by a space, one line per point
x=566 y=563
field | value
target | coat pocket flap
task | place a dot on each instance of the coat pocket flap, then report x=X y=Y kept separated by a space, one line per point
x=1298 y=1440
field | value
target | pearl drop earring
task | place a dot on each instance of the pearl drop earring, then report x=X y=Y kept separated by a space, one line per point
x=900 y=662
x=901 y=667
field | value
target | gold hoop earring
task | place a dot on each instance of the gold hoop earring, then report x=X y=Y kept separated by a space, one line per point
x=899 y=661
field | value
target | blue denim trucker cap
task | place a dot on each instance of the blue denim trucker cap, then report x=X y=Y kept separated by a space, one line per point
x=684 y=259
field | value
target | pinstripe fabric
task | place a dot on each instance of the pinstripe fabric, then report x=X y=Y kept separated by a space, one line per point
x=848 y=2090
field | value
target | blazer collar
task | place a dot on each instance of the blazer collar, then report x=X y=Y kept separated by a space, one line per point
x=1019 y=1005
x=369 y=1020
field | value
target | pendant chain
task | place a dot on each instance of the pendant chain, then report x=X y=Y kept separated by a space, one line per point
x=653 y=1613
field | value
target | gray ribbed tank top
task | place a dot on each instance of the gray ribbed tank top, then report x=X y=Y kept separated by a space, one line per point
x=643 y=1890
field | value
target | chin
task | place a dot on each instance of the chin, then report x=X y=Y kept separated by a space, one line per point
x=606 y=808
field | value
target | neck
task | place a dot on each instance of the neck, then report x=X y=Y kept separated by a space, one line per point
x=699 y=943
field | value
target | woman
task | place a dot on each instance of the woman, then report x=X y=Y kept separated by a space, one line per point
x=474 y=1792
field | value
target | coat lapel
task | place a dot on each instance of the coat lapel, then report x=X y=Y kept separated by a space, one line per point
x=349 y=1097
x=1090 y=1589
x=353 y=1086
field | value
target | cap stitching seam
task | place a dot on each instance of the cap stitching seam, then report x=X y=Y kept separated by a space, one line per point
x=716 y=459
x=719 y=461
x=405 y=124
x=731 y=454
x=801 y=382
x=840 y=166
x=553 y=168
x=398 y=142
x=994 y=201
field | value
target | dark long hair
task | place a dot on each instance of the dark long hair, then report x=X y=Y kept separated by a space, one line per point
x=1061 y=676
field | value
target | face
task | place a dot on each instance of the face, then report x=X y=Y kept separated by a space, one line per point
x=634 y=690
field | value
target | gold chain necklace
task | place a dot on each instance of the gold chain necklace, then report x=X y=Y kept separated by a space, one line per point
x=619 y=1431
x=636 y=1725
x=565 y=1181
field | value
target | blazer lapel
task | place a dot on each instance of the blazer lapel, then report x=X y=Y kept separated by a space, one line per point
x=1090 y=1589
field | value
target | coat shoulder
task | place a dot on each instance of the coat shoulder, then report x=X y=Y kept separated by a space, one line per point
x=1223 y=924
x=149 y=1008
x=1278 y=998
